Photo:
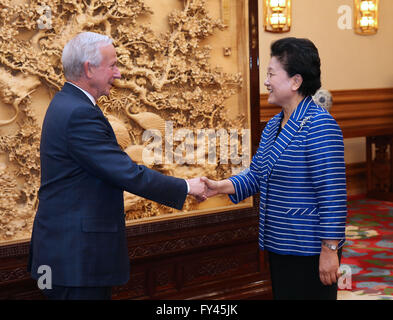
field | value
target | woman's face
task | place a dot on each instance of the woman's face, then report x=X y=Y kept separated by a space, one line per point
x=280 y=86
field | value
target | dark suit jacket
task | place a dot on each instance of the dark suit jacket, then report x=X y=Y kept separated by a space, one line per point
x=79 y=228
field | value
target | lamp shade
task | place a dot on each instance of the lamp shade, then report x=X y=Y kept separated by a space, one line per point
x=366 y=16
x=277 y=15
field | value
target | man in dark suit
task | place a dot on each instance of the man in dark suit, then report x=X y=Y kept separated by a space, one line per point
x=79 y=228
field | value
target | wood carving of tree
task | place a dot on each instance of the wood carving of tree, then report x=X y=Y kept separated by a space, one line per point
x=171 y=71
x=168 y=75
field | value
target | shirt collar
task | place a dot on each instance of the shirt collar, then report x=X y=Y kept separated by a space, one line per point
x=85 y=92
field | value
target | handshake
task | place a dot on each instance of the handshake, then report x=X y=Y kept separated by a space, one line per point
x=203 y=188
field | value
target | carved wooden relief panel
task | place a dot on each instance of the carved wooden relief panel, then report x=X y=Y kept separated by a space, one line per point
x=181 y=107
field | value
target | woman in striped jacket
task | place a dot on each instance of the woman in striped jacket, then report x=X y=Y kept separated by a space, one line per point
x=299 y=171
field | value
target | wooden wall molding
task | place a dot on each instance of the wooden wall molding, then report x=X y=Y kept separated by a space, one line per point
x=170 y=246
x=360 y=112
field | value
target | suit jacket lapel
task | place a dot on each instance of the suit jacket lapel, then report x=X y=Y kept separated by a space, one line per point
x=291 y=128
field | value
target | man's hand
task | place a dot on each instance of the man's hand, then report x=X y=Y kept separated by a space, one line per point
x=212 y=187
x=197 y=189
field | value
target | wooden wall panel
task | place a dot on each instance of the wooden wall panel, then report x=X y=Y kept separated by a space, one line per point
x=360 y=113
x=207 y=257
x=356 y=179
x=380 y=167
x=204 y=257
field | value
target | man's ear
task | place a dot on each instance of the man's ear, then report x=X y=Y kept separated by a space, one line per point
x=297 y=81
x=87 y=69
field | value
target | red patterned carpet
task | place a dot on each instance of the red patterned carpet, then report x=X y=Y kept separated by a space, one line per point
x=368 y=252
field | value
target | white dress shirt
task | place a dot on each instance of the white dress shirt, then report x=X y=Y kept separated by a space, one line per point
x=85 y=92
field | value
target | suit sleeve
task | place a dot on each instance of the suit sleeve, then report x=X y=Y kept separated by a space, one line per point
x=92 y=144
x=325 y=151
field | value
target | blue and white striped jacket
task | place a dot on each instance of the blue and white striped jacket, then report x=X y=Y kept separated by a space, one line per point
x=301 y=179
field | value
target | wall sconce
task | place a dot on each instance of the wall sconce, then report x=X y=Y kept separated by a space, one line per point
x=366 y=16
x=277 y=15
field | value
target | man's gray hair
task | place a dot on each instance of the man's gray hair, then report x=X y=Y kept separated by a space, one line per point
x=83 y=47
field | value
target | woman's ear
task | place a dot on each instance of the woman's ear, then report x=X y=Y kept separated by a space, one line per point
x=297 y=82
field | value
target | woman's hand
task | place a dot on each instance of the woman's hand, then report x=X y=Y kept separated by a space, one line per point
x=328 y=266
x=218 y=187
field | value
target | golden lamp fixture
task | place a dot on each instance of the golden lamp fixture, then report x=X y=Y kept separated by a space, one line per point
x=277 y=15
x=366 y=16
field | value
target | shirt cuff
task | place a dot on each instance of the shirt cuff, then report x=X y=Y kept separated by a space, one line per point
x=188 y=187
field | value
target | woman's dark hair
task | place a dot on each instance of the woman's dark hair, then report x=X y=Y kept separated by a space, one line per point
x=299 y=56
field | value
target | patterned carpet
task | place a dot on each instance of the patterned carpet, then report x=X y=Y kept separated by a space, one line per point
x=368 y=252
